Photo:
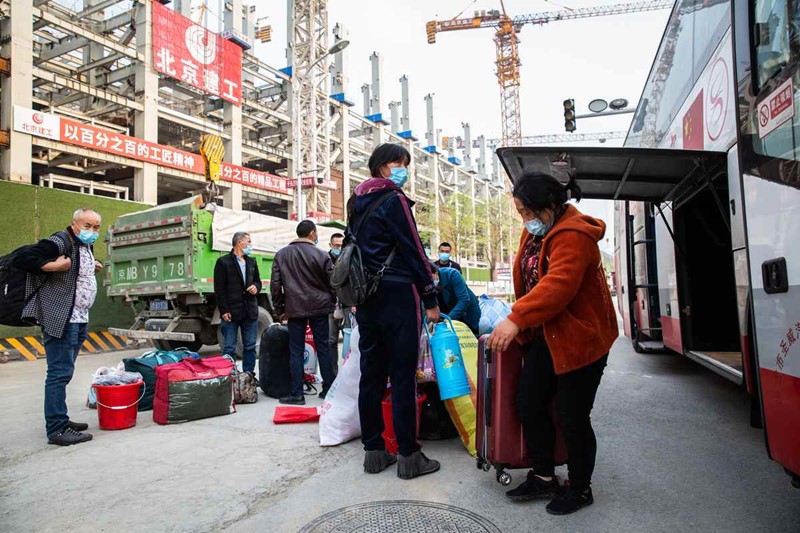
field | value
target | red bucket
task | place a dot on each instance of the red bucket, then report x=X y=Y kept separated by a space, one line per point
x=388 y=423
x=117 y=404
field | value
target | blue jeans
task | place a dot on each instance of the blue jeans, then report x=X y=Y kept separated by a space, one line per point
x=297 y=348
x=61 y=356
x=230 y=332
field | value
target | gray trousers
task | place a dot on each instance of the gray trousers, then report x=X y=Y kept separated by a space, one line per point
x=335 y=327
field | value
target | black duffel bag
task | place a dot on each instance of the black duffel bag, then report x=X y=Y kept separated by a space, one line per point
x=273 y=362
x=146 y=365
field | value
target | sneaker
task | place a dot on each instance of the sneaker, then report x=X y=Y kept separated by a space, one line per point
x=532 y=488
x=293 y=400
x=69 y=437
x=376 y=461
x=416 y=465
x=77 y=426
x=570 y=500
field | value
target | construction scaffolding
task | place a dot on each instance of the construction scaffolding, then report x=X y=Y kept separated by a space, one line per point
x=97 y=94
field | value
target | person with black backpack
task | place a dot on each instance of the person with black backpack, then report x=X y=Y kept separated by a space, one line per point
x=397 y=275
x=60 y=290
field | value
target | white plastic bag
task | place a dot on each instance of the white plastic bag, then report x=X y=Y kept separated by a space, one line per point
x=493 y=312
x=339 y=422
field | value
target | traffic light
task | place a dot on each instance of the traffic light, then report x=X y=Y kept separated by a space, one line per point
x=569 y=115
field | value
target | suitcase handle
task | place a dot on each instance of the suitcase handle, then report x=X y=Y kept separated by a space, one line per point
x=487 y=399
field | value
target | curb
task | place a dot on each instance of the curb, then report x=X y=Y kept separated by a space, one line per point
x=31 y=348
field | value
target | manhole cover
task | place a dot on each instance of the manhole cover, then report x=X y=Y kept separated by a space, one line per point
x=400 y=516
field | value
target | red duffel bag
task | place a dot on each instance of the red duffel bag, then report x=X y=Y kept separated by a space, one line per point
x=193 y=389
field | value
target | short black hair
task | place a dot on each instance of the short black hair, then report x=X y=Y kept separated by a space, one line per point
x=238 y=237
x=446 y=244
x=337 y=236
x=537 y=191
x=305 y=228
x=385 y=154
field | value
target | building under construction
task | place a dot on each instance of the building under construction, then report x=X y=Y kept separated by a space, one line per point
x=114 y=97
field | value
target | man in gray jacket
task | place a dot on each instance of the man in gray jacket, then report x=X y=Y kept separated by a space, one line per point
x=60 y=299
x=302 y=294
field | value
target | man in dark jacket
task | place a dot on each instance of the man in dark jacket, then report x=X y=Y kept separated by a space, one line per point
x=445 y=251
x=62 y=287
x=237 y=283
x=339 y=319
x=302 y=294
x=456 y=300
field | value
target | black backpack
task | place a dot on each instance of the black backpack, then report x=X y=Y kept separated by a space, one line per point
x=13 y=282
x=352 y=283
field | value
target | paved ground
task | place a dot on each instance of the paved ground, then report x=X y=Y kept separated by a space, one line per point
x=676 y=454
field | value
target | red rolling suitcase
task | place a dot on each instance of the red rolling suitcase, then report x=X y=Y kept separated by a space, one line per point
x=500 y=441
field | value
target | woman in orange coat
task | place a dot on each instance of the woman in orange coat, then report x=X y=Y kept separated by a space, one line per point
x=566 y=322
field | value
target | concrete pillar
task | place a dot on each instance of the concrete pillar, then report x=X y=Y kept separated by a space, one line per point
x=145 y=180
x=232 y=195
x=434 y=166
x=17 y=89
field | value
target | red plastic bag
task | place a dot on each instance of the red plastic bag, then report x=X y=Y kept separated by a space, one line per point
x=295 y=415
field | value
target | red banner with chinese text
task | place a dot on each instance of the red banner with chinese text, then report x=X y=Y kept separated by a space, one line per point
x=190 y=53
x=86 y=135
x=253 y=178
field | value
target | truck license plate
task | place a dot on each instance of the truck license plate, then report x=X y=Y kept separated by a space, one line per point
x=159 y=305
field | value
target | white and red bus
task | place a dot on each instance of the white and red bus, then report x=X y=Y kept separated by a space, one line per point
x=707 y=212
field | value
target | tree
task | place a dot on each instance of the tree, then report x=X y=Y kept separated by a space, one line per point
x=457 y=222
x=498 y=230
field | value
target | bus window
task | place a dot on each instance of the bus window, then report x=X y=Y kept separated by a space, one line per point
x=771 y=37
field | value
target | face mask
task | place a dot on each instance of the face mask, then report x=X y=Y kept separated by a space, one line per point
x=435 y=282
x=537 y=227
x=444 y=258
x=248 y=250
x=335 y=252
x=87 y=236
x=316 y=241
x=399 y=176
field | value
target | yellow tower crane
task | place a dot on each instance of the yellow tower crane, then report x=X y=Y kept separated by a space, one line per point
x=506 y=42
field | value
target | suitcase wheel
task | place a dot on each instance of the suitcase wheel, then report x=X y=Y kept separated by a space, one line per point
x=504 y=478
x=486 y=467
x=480 y=463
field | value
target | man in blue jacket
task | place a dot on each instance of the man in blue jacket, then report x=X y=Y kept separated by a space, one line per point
x=456 y=300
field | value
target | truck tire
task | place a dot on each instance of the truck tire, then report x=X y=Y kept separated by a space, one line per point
x=168 y=346
x=264 y=321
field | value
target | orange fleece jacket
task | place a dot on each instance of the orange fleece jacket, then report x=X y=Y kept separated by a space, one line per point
x=572 y=300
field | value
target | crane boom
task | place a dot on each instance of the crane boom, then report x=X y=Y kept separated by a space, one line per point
x=494 y=18
x=506 y=42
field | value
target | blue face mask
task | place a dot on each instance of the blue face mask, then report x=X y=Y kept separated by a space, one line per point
x=435 y=282
x=399 y=176
x=537 y=227
x=248 y=250
x=443 y=257
x=87 y=236
x=335 y=252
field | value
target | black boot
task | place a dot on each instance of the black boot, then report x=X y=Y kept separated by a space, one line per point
x=376 y=461
x=416 y=465
x=570 y=500
x=532 y=488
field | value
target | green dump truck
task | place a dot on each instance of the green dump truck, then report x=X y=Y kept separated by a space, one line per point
x=161 y=262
